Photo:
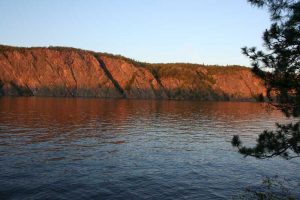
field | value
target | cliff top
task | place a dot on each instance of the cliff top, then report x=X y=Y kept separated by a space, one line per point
x=211 y=68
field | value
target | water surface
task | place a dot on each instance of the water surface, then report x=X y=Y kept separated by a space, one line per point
x=66 y=148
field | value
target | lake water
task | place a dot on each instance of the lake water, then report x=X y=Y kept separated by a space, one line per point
x=64 y=148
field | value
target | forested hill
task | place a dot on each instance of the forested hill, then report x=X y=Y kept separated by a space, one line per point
x=60 y=71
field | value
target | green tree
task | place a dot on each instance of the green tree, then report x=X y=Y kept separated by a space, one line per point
x=279 y=67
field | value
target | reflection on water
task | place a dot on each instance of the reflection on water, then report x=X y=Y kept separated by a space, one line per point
x=130 y=149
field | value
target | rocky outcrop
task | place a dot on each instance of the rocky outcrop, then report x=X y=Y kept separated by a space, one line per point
x=43 y=72
x=182 y=81
x=134 y=81
x=71 y=72
x=243 y=84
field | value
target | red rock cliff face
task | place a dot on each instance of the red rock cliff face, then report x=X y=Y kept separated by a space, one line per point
x=71 y=72
x=186 y=81
x=237 y=83
x=135 y=82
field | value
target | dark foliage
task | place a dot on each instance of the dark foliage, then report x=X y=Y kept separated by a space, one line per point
x=283 y=142
x=270 y=188
x=279 y=67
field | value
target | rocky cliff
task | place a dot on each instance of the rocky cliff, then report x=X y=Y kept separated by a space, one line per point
x=58 y=71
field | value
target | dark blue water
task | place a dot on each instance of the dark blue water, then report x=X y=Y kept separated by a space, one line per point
x=131 y=149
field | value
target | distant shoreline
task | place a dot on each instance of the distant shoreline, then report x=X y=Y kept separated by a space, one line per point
x=70 y=72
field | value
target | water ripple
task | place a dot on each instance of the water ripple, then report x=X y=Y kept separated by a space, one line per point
x=130 y=149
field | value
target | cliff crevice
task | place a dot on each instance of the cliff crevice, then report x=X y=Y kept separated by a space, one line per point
x=111 y=78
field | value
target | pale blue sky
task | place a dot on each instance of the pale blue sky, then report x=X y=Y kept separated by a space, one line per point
x=196 y=31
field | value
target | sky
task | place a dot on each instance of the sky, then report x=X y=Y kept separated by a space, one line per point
x=156 y=31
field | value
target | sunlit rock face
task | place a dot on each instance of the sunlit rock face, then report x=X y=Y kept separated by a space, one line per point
x=45 y=72
x=134 y=81
x=58 y=71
